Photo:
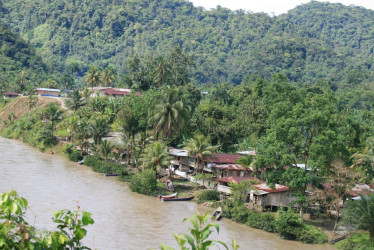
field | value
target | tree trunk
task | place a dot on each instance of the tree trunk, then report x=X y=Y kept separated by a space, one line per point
x=371 y=232
x=336 y=221
x=301 y=211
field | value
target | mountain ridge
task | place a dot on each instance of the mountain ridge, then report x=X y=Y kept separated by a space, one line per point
x=227 y=45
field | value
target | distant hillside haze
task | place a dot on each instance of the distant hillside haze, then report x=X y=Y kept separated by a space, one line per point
x=313 y=42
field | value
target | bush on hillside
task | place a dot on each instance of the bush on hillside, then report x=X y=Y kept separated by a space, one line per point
x=144 y=182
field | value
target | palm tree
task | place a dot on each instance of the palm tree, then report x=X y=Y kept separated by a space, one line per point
x=247 y=162
x=200 y=148
x=72 y=124
x=92 y=77
x=105 y=149
x=81 y=134
x=108 y=76
x=155 y=157
x=361 y=212
x=367 y=155
x=220 y=94
x=99 y=128
x=170 y=114
x=86 y=93
x=75 y=100
x=31 y=102
x=162 y=71
x=53 y=114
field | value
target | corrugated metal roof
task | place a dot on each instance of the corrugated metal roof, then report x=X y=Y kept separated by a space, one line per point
x=223 y=158
x=178 y=152
x=231 y=167
x=47 y=89
x=236 y=179
x=278 y=188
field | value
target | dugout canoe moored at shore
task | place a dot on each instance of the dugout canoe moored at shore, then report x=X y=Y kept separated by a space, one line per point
x=178 y=199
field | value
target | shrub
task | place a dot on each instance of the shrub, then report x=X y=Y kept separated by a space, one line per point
x=73 y=154
x=264 y=221
x=240 y=213
x=310 y=234
x=144 y=182
x=288 y=224
x=210 y=195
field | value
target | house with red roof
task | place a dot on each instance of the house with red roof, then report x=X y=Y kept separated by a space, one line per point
x=223 y=165
x=262 y=196
x=271 y=197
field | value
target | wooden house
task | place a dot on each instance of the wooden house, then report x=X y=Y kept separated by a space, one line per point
x=47 y=92
x=11 y=95
x=271 y=198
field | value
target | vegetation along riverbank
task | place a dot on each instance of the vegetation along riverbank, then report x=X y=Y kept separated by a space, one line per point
x=269 y=118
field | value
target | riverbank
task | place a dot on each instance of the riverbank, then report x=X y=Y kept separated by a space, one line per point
x=123 y=219
x=28 y=136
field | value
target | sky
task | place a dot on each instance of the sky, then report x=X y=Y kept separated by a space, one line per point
x=275 y=7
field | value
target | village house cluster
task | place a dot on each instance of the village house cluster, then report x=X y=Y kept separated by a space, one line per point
x=225 y=170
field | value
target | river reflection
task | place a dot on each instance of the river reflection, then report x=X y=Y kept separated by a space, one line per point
x=123 y=220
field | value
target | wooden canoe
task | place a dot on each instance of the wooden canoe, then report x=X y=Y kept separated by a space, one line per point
x=107 y=175
x=169 y=196
x=178 y=199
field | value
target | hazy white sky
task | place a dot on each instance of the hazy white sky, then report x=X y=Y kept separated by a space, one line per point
x=271 y=6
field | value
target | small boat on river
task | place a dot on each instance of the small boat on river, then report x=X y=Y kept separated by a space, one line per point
x=108 y=175
x=178 y=199
x=160 y=197
x=169 y=185
x=217 y=215
x=80 y=162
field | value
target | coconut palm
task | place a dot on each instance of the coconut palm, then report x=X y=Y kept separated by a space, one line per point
x=367 y=155
x=155 y=157
x=31 y=102
x=170 y=114
x=105 y=149
x=108 y=76
x=71 y=126
x=361 y=212
x=200 y=148
x=81 y=135
x=92 y=77
x=247 y=162
x=75 y=100
x=54 y=114
x=99 y=128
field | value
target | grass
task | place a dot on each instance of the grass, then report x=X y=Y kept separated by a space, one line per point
x=357 y=240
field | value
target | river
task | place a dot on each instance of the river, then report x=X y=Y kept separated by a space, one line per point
x=123 y=219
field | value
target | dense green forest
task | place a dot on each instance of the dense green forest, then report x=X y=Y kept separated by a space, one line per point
x=19 y=64
x=312 y=43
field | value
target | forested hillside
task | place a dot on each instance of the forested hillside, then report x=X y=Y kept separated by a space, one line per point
x=312 y=42
x=19 y=63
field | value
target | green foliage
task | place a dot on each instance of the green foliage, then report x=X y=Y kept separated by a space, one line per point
x=287 y=224
x=16 y=233
x=144 y=182
x=17 y=56
x=99 y=165
x=361 y=212
x=356 y=240
x=209 y=195
x=310 y=42
x=199 y=234
x=73 y=154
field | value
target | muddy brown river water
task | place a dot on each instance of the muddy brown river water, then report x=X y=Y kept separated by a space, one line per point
x=123 y=219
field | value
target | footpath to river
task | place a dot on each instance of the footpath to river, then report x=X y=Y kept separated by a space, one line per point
x=123 y=219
